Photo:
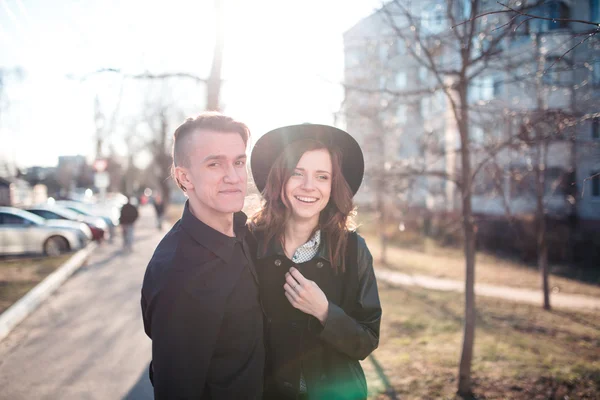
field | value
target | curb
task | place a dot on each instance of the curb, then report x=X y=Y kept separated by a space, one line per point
x=16 y=313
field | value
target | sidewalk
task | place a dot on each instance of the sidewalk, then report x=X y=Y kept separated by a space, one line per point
x=86 y=341
x=558 y=300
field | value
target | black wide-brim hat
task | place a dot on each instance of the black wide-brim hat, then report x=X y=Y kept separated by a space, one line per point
x=271 y=145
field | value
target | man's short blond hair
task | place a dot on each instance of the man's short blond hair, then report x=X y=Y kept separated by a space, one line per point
x=207 y=121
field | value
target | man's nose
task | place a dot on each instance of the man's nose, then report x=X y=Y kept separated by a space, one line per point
x=232 y=175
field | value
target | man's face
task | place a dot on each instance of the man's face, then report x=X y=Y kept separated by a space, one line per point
x=216 y=174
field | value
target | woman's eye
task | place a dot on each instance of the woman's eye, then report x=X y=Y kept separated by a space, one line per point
x=323 y=177
x=296 y=173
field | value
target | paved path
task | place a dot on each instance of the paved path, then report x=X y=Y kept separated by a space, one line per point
x=558 y=300
x=86 y=341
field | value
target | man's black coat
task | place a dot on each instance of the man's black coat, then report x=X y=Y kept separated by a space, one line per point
x=201 y=309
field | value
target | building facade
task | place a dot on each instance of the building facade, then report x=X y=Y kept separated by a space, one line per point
x=533 y=98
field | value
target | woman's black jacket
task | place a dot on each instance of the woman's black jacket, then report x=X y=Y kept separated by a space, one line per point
x=296 y=343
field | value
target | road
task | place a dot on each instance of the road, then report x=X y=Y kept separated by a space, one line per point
x=87 y=340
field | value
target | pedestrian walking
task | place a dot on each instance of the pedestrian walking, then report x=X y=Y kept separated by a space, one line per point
x=129 y=214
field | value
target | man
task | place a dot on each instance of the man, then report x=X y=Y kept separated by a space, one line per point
x=159 y=207
x=129 y=214
x=200 y=293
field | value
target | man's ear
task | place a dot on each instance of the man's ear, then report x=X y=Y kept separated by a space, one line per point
x=182 y=176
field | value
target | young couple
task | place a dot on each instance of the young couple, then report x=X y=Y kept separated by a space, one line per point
x=279 y=307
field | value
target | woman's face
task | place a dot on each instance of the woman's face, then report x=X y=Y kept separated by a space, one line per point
x=309 y=188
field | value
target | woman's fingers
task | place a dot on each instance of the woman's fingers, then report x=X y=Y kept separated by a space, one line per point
x=298 y=276
x=289 y=279
x=290 y=290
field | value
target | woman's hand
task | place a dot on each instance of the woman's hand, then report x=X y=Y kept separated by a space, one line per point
x=305 y=295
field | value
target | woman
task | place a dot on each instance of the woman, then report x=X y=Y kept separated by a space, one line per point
x=317 y=284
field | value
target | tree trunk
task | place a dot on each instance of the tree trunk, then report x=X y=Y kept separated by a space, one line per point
x=213 y=84
x=464 y=379
x=542 y=243
x=382 y=220
x=540 y=182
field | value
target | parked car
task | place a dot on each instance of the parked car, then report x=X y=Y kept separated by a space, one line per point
x=96 y=224
x=110 y=215
x=23 y=232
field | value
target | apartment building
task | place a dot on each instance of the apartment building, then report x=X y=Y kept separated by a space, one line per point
x=539 y=81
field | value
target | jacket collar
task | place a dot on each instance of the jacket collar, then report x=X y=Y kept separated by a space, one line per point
x=215 y=241
x=275 y=249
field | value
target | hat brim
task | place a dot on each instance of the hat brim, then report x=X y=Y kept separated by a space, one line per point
x=271 y=145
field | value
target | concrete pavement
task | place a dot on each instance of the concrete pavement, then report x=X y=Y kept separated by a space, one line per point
x=86 y=341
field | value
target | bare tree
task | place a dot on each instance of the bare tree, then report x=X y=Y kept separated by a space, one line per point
x=450 y=64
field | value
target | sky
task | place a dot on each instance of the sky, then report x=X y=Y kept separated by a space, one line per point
x=283 y=64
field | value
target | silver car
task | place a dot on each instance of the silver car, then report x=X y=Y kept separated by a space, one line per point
x=22 y=232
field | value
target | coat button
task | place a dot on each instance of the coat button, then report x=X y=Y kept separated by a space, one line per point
x=320 y=264
x=278 y=262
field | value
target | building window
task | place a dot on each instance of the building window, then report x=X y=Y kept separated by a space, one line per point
x=383 y=52
x=481 y=89
x=595 y=10
x=596 y=73
x=400 y=47
x=555 y=11
x=426 y=106
x=401 y=80
x=595 y=182
x=477 y=134
x=423 y=74
x=498 y=86
x=556 y=72
x=382 y=82
x=401 y=114
x=596 y=128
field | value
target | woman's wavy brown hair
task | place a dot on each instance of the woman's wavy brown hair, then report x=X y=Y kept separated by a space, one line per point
x=335 y=220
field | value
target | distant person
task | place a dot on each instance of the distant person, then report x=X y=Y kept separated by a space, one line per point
x=159 y=207
x=200 y=302
x=129 y=214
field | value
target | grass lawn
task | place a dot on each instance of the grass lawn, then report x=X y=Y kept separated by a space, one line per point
x=521 y=352
x=449 y=263
x=19 y=275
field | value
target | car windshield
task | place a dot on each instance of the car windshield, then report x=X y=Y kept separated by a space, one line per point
x=65 y=212
x=60 y=211
x=30 y=216
x=79 y=211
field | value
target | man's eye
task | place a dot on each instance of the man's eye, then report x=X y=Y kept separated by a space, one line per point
x=240 y=163
x=211 y=165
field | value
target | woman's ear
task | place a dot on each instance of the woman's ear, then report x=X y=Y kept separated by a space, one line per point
x=182 y=176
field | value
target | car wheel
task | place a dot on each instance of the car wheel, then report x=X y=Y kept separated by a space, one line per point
x=55 y=246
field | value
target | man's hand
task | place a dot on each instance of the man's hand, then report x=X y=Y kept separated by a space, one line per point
x=305 y=295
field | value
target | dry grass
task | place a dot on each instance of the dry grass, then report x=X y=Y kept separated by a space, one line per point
x=20 y=275
x=521 y=352
x=449 y=263
x=414 y=254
